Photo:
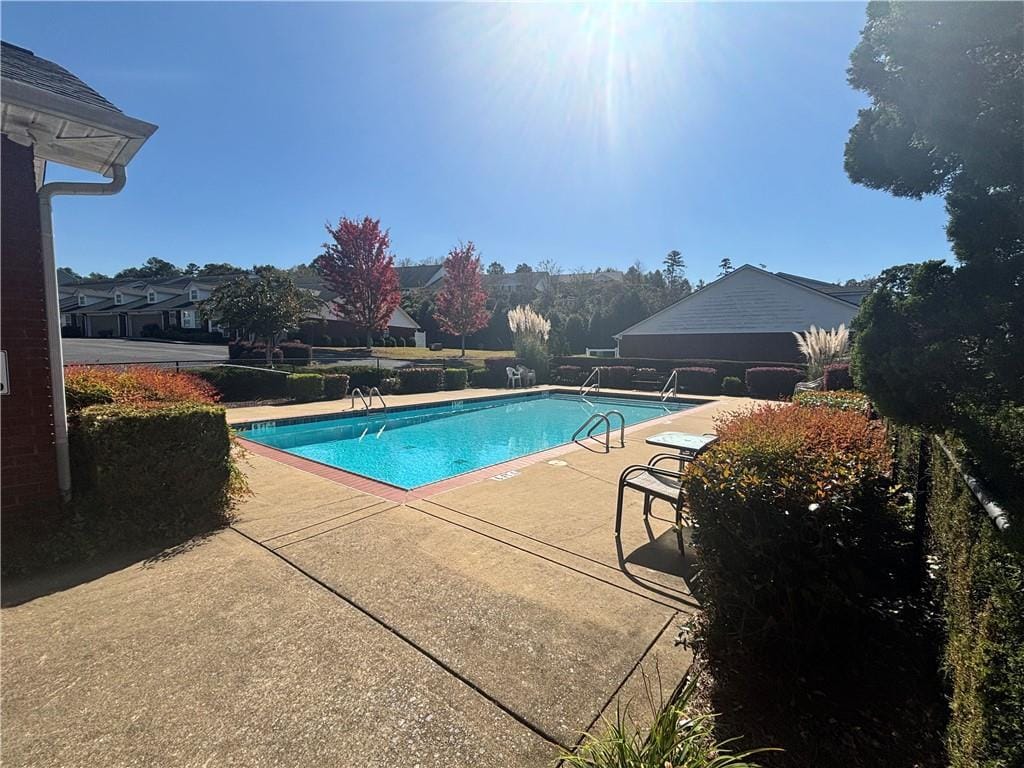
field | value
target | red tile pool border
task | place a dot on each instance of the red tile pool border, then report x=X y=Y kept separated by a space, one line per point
x=400 y=495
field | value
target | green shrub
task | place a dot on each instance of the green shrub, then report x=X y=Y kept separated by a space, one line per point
x=146 y=474
x=400 y=341
x=335 y=386
x=793 y=523
x=363 y=376
x=733 y=386
x=389 y=386
x=414 y=380
x=842 y=400
x=773 y=383
x=238 y=385
x=304 y=387
x=455 y=378
x=389 y=341
x=410 y=342
x=296 y=351
x=617 y=377
x=697 y=380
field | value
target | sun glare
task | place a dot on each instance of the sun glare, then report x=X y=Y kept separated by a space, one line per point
x=585 y=71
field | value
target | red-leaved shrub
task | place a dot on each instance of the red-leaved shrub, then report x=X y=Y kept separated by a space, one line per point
x=837 y=376
x=697 y=380
x=139 y=385
x=773 y=383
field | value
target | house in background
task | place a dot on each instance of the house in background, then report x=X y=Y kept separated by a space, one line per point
x=48 y=116
x=749 y=314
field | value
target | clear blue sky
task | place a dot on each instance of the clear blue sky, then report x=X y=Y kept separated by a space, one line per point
x=593 y=136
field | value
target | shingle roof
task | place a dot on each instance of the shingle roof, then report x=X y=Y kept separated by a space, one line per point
x=23 y=66
x=416 y=277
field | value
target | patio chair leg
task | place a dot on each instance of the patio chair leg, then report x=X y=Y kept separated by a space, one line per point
x=618 y=511
x=647 y=504
x=679 y=531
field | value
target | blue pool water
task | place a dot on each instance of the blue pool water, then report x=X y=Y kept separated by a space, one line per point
x=413 y=447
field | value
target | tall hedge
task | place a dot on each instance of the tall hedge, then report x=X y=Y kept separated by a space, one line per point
x=982 y=578
x=149 y=474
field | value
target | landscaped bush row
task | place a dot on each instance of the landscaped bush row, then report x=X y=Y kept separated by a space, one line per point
x=304 y=387
x=151 y=474
x=240 y=349
x=196 y=335
x=981 y=573
x=737 y=368
x=793 y=521
x=698 y=380
x=238 y=385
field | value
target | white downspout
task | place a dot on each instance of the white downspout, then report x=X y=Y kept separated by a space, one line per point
x=60 y=415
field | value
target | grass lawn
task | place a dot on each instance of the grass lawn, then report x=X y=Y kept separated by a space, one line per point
x=422 y=353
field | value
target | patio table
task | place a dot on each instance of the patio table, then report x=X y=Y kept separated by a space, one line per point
x=689 y=446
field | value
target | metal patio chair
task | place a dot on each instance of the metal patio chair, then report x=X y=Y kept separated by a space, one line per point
x=655 y=482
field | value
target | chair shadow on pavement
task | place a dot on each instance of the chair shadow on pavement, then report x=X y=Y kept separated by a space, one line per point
x=661 y=554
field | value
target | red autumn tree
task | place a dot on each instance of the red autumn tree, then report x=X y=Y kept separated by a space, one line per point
x=358 y=265
x=460 y=307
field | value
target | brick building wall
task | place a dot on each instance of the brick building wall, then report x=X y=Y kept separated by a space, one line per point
x=779 y=347
x=28 y=464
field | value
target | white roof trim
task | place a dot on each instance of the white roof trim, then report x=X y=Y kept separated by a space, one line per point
x=51 y=113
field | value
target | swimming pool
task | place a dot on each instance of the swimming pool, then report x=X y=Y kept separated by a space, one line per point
x=415 y=446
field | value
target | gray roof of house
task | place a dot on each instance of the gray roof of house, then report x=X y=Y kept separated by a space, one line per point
x=23 y=66
x=416 y=277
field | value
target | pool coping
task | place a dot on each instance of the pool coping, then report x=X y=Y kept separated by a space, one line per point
x=394 y=493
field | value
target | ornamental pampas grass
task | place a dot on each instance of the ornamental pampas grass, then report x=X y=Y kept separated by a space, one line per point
x=523 y=321
x=822 y=348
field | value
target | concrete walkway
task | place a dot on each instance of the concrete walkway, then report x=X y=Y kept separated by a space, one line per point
x=486 y=625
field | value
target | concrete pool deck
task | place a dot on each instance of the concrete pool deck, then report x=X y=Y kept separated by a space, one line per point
x=481 y=625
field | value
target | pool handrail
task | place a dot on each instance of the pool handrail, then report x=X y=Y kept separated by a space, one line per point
x=375 y=391
x=584 y=389
x=670 y=386
x=357 y=391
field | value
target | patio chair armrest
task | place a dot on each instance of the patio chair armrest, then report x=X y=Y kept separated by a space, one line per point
x=653 y=461
x=635 y=468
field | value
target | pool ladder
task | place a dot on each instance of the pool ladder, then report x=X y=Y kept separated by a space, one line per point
x=368 y=403
x=594 y=421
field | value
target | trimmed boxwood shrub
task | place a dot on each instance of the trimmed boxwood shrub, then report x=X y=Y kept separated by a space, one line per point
x=773 y=383
x=335 y=386
x=698 y=381
x=412 y=380
x=237 y=385
x=733 y=386
x=296 y=351
x=389 y=341
x=363 y=376
x=838 y=376
x=389 y=385
x=617 y=377
x=148 y=474
x=410 y=342
x=455 y=378
x=304 y=387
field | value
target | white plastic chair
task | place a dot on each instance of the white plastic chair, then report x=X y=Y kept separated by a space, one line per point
x=514 y=378
x=527 y=374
